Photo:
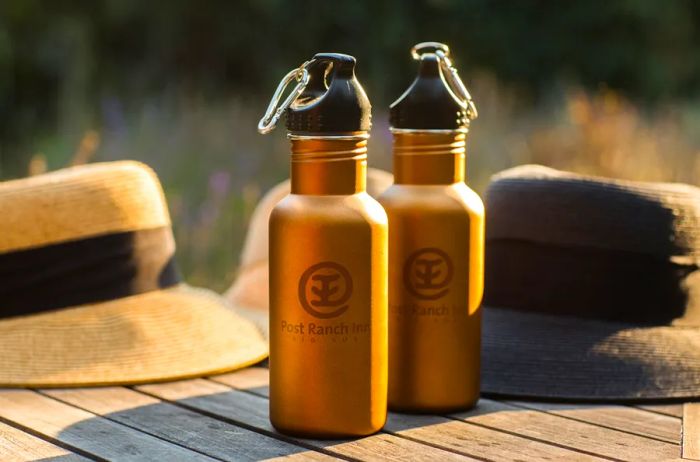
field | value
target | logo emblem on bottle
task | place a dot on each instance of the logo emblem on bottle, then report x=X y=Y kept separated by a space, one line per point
x=325 y=289
x=428 y=273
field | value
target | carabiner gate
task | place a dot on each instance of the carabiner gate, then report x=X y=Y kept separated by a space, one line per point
x=274 y=112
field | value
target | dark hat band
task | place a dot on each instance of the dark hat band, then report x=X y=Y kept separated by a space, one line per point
x=566 y=244
x=591 y=283
x=91 y=270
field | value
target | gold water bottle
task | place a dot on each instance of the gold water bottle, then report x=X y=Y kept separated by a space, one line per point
x=436 y=244
x=328 y=263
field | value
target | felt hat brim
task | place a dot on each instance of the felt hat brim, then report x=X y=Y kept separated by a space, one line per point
x=592 y=288
x=174 y=333
x=537 y=356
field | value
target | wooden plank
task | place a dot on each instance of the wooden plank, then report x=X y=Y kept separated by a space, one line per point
x=252 y=411
x=569 y=433
x=691 y=431
x=254 y=380
x=178 y=425
x=18 y=446
x=624 y=418
x=439 y=432
x=383 y=447
x=478 y=441
x=77 y=428
x=674 y=410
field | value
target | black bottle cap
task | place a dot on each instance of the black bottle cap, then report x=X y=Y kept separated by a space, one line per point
x=429 y=103
x=333 y=100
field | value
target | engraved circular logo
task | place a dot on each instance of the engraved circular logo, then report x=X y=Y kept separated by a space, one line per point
x=427 y=273
x=325 y=289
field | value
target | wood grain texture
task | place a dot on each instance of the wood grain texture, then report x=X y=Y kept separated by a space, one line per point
x=253 y=379
x=478 y=441
x=674 y=410
x=80 y=429
x=178 y=425
x=250 y=410
x=509 y=443
x=225 y=418
x=18 y=446
x=691 y=431
x=624 y=418
x=569 y=433
x=436 y=431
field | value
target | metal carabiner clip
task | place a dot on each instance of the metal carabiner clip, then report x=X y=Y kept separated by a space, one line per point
x=274 y=112
x=450 y=73
x=420 y=49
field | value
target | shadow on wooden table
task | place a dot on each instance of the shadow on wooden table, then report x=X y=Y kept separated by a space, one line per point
x=131 y=424
x=226 y=417
x=204 y=418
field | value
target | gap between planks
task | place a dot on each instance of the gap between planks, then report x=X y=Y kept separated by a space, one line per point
x=18 y=445
x=625 y=419
x=179 y=426
x=673 y=410
x=437 y=431
x=255 y=382
x=495 y=418
x=223 y=402
x=84 y=432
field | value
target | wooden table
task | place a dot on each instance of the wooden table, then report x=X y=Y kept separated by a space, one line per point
x=226 y=418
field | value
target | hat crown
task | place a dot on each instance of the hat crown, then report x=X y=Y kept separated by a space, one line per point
x=83 y=235
x=539 y=204
x=90 y=291
x=573 y=245
x=80 y=202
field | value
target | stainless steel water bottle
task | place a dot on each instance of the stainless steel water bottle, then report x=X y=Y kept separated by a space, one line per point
x=436 y=244
x=328 y=263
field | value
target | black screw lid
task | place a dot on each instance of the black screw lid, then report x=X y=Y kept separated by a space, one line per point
x=429 y=103
x=333 y=100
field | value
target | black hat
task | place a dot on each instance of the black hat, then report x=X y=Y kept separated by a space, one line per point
x=592 y=288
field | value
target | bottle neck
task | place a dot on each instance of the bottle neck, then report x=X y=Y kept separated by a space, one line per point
x=329 y=165
x=426 y=157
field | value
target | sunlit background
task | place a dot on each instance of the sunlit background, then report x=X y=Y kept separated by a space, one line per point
x=610 y=87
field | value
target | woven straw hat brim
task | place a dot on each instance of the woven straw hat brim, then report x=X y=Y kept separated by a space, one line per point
x=170 y=334
x=535 y=356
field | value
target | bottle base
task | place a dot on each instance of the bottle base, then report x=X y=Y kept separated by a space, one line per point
x=318 y=434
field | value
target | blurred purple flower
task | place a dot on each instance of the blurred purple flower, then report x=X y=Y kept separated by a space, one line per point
x=220 y=184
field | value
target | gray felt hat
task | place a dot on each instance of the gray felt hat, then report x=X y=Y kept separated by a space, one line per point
x=592 y=288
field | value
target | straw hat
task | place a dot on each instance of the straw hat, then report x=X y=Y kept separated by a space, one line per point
x=249 y=291
x=89 y=293
x=592 y=288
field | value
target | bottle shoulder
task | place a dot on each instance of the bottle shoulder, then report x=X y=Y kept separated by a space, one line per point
x=457 y=196
x=355 y=207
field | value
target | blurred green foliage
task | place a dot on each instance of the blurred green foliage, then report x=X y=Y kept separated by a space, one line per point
x=60 y=56
x=607 y=87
